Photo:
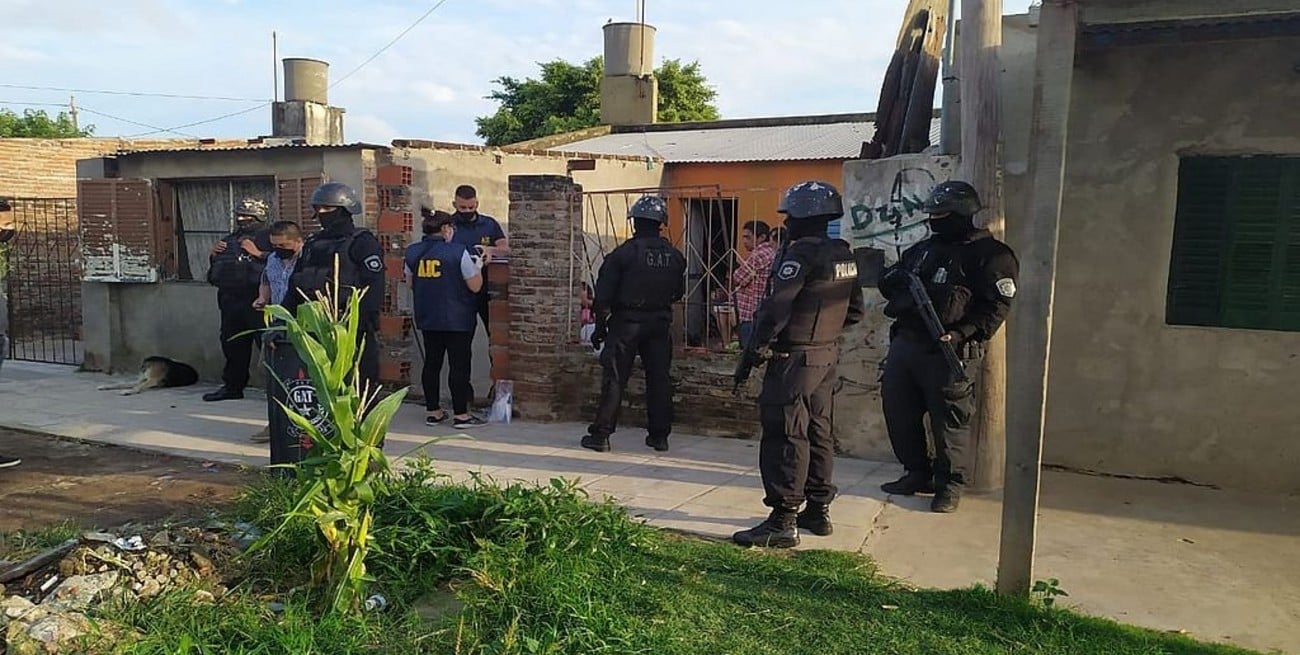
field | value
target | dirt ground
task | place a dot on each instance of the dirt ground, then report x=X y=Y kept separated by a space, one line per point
x=104 y=486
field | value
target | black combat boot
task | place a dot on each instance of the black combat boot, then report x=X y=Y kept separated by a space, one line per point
x=914 y=482
x=816 y=518
x=660 y=444
x=778 y=530
x=596 y=442
x=946 y=499
x=224 y=393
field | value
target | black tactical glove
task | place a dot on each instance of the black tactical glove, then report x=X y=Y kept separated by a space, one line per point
x=598 y=335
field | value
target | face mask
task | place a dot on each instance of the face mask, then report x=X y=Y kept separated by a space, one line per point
x=334 y=220
x=950 y=225
x=466 y=216
x=245 y=223
x=286 y=253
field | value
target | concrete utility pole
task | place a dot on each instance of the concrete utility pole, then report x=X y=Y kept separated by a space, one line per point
x=1031 y=324
x=72 y=108
x=981 y=147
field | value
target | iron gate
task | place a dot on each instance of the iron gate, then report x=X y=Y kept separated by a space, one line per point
x=43 y=281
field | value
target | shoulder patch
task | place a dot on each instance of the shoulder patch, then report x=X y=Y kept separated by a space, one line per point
x=374 y=263
x=1007 y=287
x=789 y=270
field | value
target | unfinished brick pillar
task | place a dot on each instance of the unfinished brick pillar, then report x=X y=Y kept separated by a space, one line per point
x=544 y=211
x=394 y=225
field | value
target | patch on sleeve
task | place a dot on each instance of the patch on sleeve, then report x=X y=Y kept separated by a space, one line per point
x=375 y=263
x=788 y=270
x=1007 y=287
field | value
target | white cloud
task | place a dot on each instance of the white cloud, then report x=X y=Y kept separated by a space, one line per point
x=368 y=128
x=437 y=94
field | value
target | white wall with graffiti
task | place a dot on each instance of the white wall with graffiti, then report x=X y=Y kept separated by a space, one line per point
x=882 y=199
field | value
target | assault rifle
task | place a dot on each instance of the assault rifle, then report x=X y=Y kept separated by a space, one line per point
x=921 y=298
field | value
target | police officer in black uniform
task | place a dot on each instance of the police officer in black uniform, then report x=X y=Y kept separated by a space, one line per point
x=361 y=266
x=970 y=278
x=813 y=296
x=638 y=283
x=236 y=264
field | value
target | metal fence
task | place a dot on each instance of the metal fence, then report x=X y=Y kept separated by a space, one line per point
x=711 y=219
x=43 y=281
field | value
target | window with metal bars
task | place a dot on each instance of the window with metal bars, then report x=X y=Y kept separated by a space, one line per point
x=1236 y=251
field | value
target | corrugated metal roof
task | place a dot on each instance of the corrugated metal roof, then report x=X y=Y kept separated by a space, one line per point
x=250 y=146
x=841 y=140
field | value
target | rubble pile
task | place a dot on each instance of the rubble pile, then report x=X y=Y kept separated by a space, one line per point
x=44 y=600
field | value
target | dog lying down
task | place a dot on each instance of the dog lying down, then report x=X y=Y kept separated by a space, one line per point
x=156 y=373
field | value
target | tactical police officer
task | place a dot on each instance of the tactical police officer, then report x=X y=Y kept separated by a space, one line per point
x=638 y=283
x=360 y=262
x=236 y=264
x=445 y=278
x=969 y=277
x=813 y=296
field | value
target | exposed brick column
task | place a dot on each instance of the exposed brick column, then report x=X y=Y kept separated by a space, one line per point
x=544 y=211
x=394 y=224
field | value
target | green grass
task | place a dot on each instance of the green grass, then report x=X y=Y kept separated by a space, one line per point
x=541 y=570
x=20 y=544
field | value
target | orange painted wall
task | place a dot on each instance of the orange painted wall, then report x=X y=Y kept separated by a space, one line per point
x=757 y=186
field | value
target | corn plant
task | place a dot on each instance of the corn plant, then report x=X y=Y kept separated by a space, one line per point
x=345 y=467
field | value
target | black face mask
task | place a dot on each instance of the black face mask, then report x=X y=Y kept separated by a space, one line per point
x=335 y=221
x=286 y=253
x=246 y=224
x=466 y=217
x=951 y=225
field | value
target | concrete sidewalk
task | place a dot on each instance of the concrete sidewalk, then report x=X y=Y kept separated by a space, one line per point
x=1220 y=565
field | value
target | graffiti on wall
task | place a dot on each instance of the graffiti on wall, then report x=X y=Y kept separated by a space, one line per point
x=893 y=221
x=885 y=198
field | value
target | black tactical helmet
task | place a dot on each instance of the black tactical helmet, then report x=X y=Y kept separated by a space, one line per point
x=953 y=196
x=811 y=199
x=337 y=194
x=651 y=207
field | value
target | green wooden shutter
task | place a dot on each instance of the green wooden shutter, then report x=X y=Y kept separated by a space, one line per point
x=1236 y=254
x=1254 y=215
x=1200 y=230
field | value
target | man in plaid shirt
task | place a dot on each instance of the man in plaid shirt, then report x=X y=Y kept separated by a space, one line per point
x=749 y=282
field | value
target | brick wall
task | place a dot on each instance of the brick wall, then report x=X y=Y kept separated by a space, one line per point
x=47 y=168
x=557 y=379
x=387 y=190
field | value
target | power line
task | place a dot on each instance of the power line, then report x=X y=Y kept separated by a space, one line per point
x=155 y=128
x=146 y=94
x=202 y=122
x=33 y=104
x=390 y=43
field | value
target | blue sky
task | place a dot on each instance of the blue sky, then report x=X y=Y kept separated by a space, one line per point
x=764 y=57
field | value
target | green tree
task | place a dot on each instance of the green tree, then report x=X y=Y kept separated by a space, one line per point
x=567 y=98
x=37 y=123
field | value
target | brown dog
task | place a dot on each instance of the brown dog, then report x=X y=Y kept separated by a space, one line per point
x=157 y=373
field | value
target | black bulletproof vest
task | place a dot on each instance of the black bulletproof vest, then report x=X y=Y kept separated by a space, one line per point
x=817 y=315
x=315 y=269
x=653 y=275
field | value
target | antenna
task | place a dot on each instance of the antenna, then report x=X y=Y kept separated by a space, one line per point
x=275 y=68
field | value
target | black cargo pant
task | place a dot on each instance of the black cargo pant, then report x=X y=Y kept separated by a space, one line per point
x=797 y=453
x=917 y=382
x=650 y=336
x=456 y=349
x=238 y=316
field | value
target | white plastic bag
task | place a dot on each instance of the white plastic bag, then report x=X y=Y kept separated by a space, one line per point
x=503 y=403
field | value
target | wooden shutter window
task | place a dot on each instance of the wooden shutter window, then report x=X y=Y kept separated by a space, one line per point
x=118 y=236
x=294 y=199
